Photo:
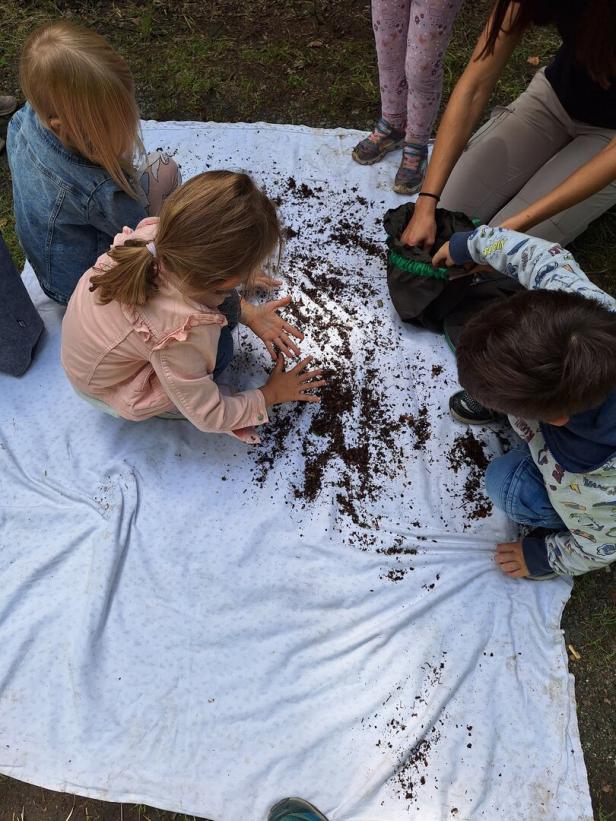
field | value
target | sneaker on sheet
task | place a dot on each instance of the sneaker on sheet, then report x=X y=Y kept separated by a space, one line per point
x=467 y=410
x=295 y=809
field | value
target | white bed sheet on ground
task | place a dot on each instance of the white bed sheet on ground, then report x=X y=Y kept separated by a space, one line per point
x=190 y=623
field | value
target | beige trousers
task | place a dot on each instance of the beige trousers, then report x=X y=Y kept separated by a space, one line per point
x=523 y=152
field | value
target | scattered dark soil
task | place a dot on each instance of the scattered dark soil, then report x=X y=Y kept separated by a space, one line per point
x=420 y=425
x=468 y=451
x=349 y=233
x=413 y=766
x=352 y=441
x=179 y=54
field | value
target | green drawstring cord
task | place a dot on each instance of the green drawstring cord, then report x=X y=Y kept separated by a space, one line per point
x=421 y=269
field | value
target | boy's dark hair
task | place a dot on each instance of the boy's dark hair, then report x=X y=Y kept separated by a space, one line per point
x=540 y=355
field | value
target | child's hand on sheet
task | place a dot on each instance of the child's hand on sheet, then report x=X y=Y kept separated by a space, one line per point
x=293 y=385
x=510 y=559
x=265 y=321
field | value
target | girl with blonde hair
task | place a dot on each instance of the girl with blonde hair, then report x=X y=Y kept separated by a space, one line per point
x=78 y=165
x=147 y=331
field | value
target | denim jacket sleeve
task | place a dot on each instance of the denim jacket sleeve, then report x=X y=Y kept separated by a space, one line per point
x=110 y=209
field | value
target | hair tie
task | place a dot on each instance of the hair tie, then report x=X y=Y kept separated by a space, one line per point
x=151 y=248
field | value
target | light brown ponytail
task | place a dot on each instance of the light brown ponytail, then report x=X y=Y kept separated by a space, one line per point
x=216 y=227
x=132 y=280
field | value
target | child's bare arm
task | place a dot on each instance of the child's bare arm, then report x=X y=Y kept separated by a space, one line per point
x=591 y=177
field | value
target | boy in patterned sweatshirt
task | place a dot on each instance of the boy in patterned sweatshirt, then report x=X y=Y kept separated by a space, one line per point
x=547 y=358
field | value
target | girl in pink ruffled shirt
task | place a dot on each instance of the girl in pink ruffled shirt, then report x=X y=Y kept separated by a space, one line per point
x=148 y=329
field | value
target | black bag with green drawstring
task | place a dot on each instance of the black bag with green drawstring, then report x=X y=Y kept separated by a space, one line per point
x=427 y=296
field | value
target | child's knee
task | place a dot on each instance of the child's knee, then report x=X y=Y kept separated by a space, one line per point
x=499 y=475
x=161 y=177
x=497 y=481
x=164 y=169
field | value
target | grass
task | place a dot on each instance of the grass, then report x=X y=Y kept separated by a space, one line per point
x=312 y=62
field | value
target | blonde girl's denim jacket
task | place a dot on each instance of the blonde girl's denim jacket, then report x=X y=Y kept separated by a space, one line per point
x=67 y=210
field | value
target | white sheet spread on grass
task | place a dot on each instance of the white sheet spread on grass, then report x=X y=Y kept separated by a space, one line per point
x=179 y=627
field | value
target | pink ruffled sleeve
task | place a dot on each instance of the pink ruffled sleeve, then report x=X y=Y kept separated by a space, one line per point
x=184 y=362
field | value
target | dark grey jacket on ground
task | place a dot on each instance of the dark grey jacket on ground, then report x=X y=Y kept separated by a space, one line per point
x=20 y=324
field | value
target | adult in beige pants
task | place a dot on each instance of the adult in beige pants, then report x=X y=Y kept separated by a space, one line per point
x=545 y=164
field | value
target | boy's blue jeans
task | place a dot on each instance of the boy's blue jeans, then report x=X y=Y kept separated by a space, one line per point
x=515 y=484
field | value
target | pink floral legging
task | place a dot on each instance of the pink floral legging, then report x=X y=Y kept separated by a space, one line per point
x=411 y=39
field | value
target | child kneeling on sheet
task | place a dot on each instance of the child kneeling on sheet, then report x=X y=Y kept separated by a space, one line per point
x=546 y=358
x=79 y=168
x=148 y=329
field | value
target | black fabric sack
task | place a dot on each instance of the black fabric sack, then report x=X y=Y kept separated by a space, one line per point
x=431 y=300
x=20 y=324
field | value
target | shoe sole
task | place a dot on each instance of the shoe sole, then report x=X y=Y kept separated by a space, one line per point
x=543 y=578
x=408 y=191
x=466 y=421
x=378 y=157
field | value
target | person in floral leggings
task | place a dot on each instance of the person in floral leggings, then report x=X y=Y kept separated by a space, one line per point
x=411 y=38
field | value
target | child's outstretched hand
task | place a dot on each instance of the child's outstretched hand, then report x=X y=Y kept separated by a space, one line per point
x=510 y=559
x=293 y=385
x=268 y=325
x=442 y=257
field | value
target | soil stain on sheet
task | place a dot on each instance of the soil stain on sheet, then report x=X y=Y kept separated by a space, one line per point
x=371 y=420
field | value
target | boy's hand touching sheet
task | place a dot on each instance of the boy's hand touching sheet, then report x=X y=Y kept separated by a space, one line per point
x=510 y=559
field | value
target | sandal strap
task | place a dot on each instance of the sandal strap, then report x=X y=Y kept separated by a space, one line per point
x=416 y=149
x=415 y=153
x=384 y=128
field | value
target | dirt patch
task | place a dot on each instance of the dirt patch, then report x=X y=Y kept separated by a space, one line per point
x=420 y=425
x=19 y=800
x=412 y=770
x=468 y=451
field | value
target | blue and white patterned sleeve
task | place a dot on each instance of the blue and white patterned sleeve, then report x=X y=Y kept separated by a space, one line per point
x=535 y=263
